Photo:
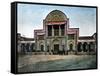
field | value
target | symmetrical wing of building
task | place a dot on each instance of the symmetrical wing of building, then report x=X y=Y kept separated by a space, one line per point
x=57 y=38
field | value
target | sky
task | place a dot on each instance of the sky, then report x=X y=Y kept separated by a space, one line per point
x=30 y=17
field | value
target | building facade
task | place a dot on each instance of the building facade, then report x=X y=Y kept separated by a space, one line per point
x=56 y=37
x=25 y=45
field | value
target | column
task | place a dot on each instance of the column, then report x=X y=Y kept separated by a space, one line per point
x=60 y=45
x=65 y=30
x=46 y=29
x=82 y=47
x=88 y=47
x=52 y=31
x=46 y=32
x=59 y=30
x=65 y=37
x=76 y=41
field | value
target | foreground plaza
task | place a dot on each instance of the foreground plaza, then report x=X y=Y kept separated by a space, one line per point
x=35 y=63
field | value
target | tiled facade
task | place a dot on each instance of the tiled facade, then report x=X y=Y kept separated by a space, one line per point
x=57 y=37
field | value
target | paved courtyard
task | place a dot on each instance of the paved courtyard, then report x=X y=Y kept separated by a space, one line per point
x=34 y=63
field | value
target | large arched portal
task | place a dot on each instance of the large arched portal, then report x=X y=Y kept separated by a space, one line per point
x=22 y=48
x=41 y=46
x=55 y=46
x=79 y=47
x=71 y=47
x=91 y=47
x=85 y=47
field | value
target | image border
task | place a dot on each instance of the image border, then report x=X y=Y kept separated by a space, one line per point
x=14 y=63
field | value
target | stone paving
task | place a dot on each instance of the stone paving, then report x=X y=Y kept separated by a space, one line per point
x=34 y=63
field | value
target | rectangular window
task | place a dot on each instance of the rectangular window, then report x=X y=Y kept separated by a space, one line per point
x=41 y=37
x=71 y=36
x=62 y=30
x=56 y=30
x=49 y=30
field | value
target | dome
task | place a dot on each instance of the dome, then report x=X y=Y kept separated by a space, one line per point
x=56 y=15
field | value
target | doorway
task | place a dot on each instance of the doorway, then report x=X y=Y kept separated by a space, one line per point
x=71 y=47
x=56 y=48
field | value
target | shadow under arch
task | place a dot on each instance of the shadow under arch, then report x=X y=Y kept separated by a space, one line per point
x=55 y=46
